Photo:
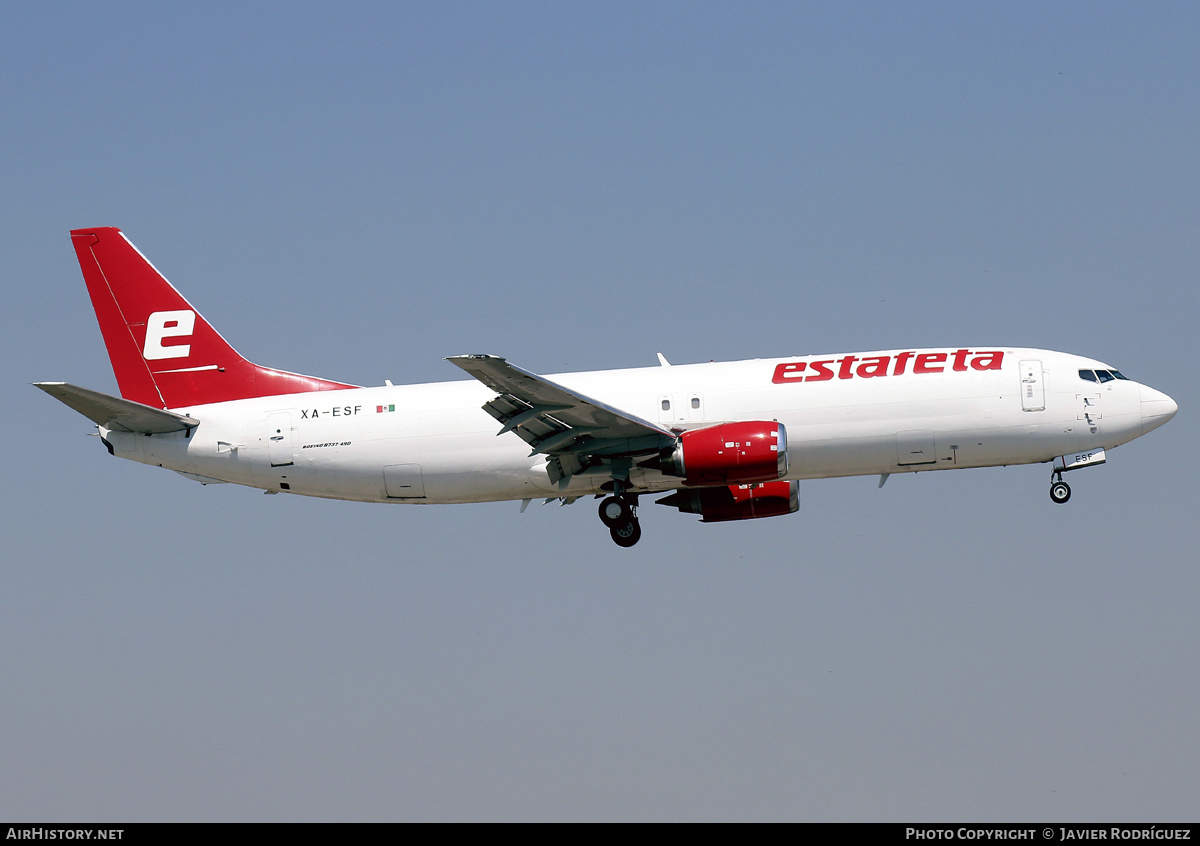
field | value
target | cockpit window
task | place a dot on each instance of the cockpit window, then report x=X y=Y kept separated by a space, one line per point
x=1102 y=375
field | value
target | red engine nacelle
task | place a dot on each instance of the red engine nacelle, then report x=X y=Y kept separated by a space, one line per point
x=731 y=453
x=738 y=502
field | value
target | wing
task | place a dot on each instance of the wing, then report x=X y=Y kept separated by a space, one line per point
x=571 y=428
x=115 y=413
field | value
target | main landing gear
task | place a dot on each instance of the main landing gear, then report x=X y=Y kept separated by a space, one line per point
x=619 y=513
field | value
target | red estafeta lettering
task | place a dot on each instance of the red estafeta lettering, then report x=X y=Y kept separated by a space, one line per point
x=925 y=362
x=789 y=372
x=821 y=371
x=869 y=367
x=988 y=361
x=876 y=366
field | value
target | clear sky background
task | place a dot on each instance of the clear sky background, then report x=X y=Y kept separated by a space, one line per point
x=357 y=190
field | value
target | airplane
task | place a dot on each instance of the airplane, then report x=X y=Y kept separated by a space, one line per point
x=727 y=440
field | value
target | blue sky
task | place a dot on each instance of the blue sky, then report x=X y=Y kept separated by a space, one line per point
x=356 y=191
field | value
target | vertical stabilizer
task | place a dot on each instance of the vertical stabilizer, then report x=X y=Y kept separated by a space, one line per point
x=163 y=352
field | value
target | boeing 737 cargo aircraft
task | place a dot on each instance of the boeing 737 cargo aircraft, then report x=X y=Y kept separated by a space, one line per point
x=731 y=440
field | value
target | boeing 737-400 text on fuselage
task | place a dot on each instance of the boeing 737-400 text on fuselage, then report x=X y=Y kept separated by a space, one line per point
x=731 y=440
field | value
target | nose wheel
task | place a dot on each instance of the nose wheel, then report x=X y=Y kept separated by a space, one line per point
x=1060 y=491
x=619 y=513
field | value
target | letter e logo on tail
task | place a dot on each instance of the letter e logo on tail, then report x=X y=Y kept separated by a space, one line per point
x=168 y=324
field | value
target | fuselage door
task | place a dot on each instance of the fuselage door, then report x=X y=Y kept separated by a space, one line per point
x=279 y=438
x=666 y=409
x=680 y=408
x=915 y=447
x=1033 y=389
x=403 y=481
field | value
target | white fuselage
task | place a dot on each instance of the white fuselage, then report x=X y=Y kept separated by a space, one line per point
x=845 y=415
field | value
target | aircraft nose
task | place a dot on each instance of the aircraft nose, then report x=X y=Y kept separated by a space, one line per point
x=1157 y=408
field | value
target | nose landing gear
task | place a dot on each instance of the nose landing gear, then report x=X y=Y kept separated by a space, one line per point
x=1060 y=491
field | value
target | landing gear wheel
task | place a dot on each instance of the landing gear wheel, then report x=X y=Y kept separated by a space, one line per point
x=626 y=534
x=614 y=511
x=1060 y=492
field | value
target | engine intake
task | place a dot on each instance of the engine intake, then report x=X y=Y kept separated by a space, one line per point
x=730 y=453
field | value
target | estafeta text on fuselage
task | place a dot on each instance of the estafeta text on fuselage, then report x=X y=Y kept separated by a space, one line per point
x=870 y=366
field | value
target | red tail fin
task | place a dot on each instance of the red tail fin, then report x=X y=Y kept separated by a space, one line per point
x=163 y=352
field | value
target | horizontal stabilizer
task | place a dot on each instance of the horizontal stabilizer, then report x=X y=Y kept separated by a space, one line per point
x=114 y=413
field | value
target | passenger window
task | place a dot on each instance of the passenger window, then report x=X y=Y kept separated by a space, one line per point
x=666 y=405
x=1088 y=375
x=695 y=402
x=1104 y=375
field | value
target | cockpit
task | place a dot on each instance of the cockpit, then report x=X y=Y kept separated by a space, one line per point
x=1101 y=376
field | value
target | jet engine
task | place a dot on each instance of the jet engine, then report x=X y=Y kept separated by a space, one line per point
x=737 y=502
x=729 y=453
